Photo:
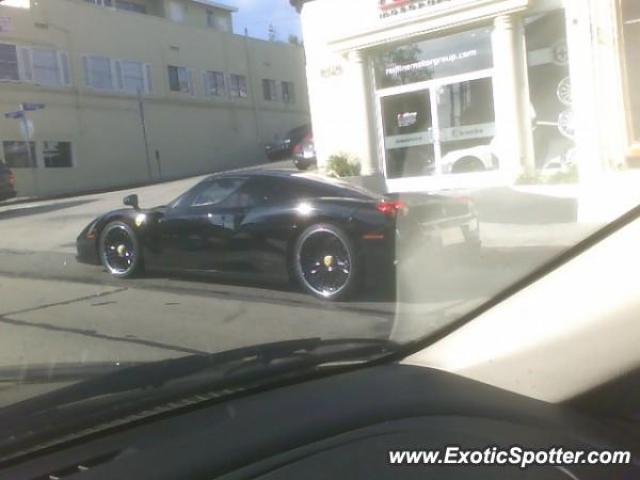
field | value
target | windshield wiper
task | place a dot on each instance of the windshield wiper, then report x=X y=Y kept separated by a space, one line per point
x=124 y=392
x=156 y=374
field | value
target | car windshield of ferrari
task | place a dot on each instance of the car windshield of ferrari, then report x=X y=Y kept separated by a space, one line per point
x=190 y=177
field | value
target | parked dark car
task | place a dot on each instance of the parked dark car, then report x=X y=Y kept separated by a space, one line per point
x=269 y=225
x=283 y=150
x=7 y=182
x=304 y=153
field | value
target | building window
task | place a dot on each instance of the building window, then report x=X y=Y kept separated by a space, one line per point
x=631 y=34
x=211 y=19
x=9 y=62
x=16 y=154
x=102 y=3
x=288 y=92
x=214 y=84
x=269 y=90
x=176 y=11
x=98 y=72
x=130 y=6
x=44 y=66
x=180 y=79
x=57 y=154
x=218 y=21
x=133 y=77
x=238 y=86
x=49 y=66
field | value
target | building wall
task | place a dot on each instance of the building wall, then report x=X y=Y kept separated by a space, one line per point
x=191 y=133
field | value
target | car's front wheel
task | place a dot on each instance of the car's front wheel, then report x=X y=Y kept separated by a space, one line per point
x=325 y=262
x=120 y=251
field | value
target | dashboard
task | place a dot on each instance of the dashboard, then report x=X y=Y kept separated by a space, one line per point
x=340 y=426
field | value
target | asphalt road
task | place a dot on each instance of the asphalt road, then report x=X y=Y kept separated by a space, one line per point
x=54 y=310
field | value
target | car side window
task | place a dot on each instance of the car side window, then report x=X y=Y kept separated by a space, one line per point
x=255 y=191
x=217 y=191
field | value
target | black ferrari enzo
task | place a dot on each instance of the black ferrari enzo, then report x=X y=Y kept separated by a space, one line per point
x=327 y=235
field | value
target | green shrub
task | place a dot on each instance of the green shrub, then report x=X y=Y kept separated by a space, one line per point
x=343 y=165
x=558 y=178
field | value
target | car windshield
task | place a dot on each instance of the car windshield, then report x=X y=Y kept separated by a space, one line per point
x=457 y=148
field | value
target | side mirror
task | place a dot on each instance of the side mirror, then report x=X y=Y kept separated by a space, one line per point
x=132 y=201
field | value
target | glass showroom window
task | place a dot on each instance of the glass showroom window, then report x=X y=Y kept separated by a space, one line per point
x=16 y=154
x=238 y=86
x=550 y=88
x=631 y=32
x=9 y=62
x=466 y=127
x=436 y=103
x=98 y=72
x=57 y=154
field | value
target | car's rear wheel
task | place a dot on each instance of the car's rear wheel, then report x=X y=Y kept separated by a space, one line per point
x=325 y=262
x=120 y=251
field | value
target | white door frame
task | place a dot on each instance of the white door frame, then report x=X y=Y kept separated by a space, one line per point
x=438 y=181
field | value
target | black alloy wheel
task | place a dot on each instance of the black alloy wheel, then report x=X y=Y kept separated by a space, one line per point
x=120 y=250
x=325 y=262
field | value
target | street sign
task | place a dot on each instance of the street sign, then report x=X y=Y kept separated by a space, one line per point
x=15 y=115
x=32 y=107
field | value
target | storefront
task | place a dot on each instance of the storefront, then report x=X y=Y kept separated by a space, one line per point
x=456 y=93
x=630 y=27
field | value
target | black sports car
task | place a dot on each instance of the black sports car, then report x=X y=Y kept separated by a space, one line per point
x=327 y=235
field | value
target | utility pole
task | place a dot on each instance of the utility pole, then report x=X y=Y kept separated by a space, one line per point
x=143 y=122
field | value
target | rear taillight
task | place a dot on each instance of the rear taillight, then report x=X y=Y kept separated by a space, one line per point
x=299 y=147
x=12 y=179
x=392 y=207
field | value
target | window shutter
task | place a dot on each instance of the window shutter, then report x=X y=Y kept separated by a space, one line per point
x=85 y=69
x=25 y=64
x=116 y=66
x=148 y=81
x=63 y=61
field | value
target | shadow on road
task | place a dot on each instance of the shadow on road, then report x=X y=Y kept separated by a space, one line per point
x=504 y=205
x=291 y=293
x=451 y=277
x=40 y=209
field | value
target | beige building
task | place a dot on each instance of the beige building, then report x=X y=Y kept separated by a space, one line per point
x=434 y=94
x=138 y=90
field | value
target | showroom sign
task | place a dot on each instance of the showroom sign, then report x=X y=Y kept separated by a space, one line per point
x=433 y=58
x=392 y=8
